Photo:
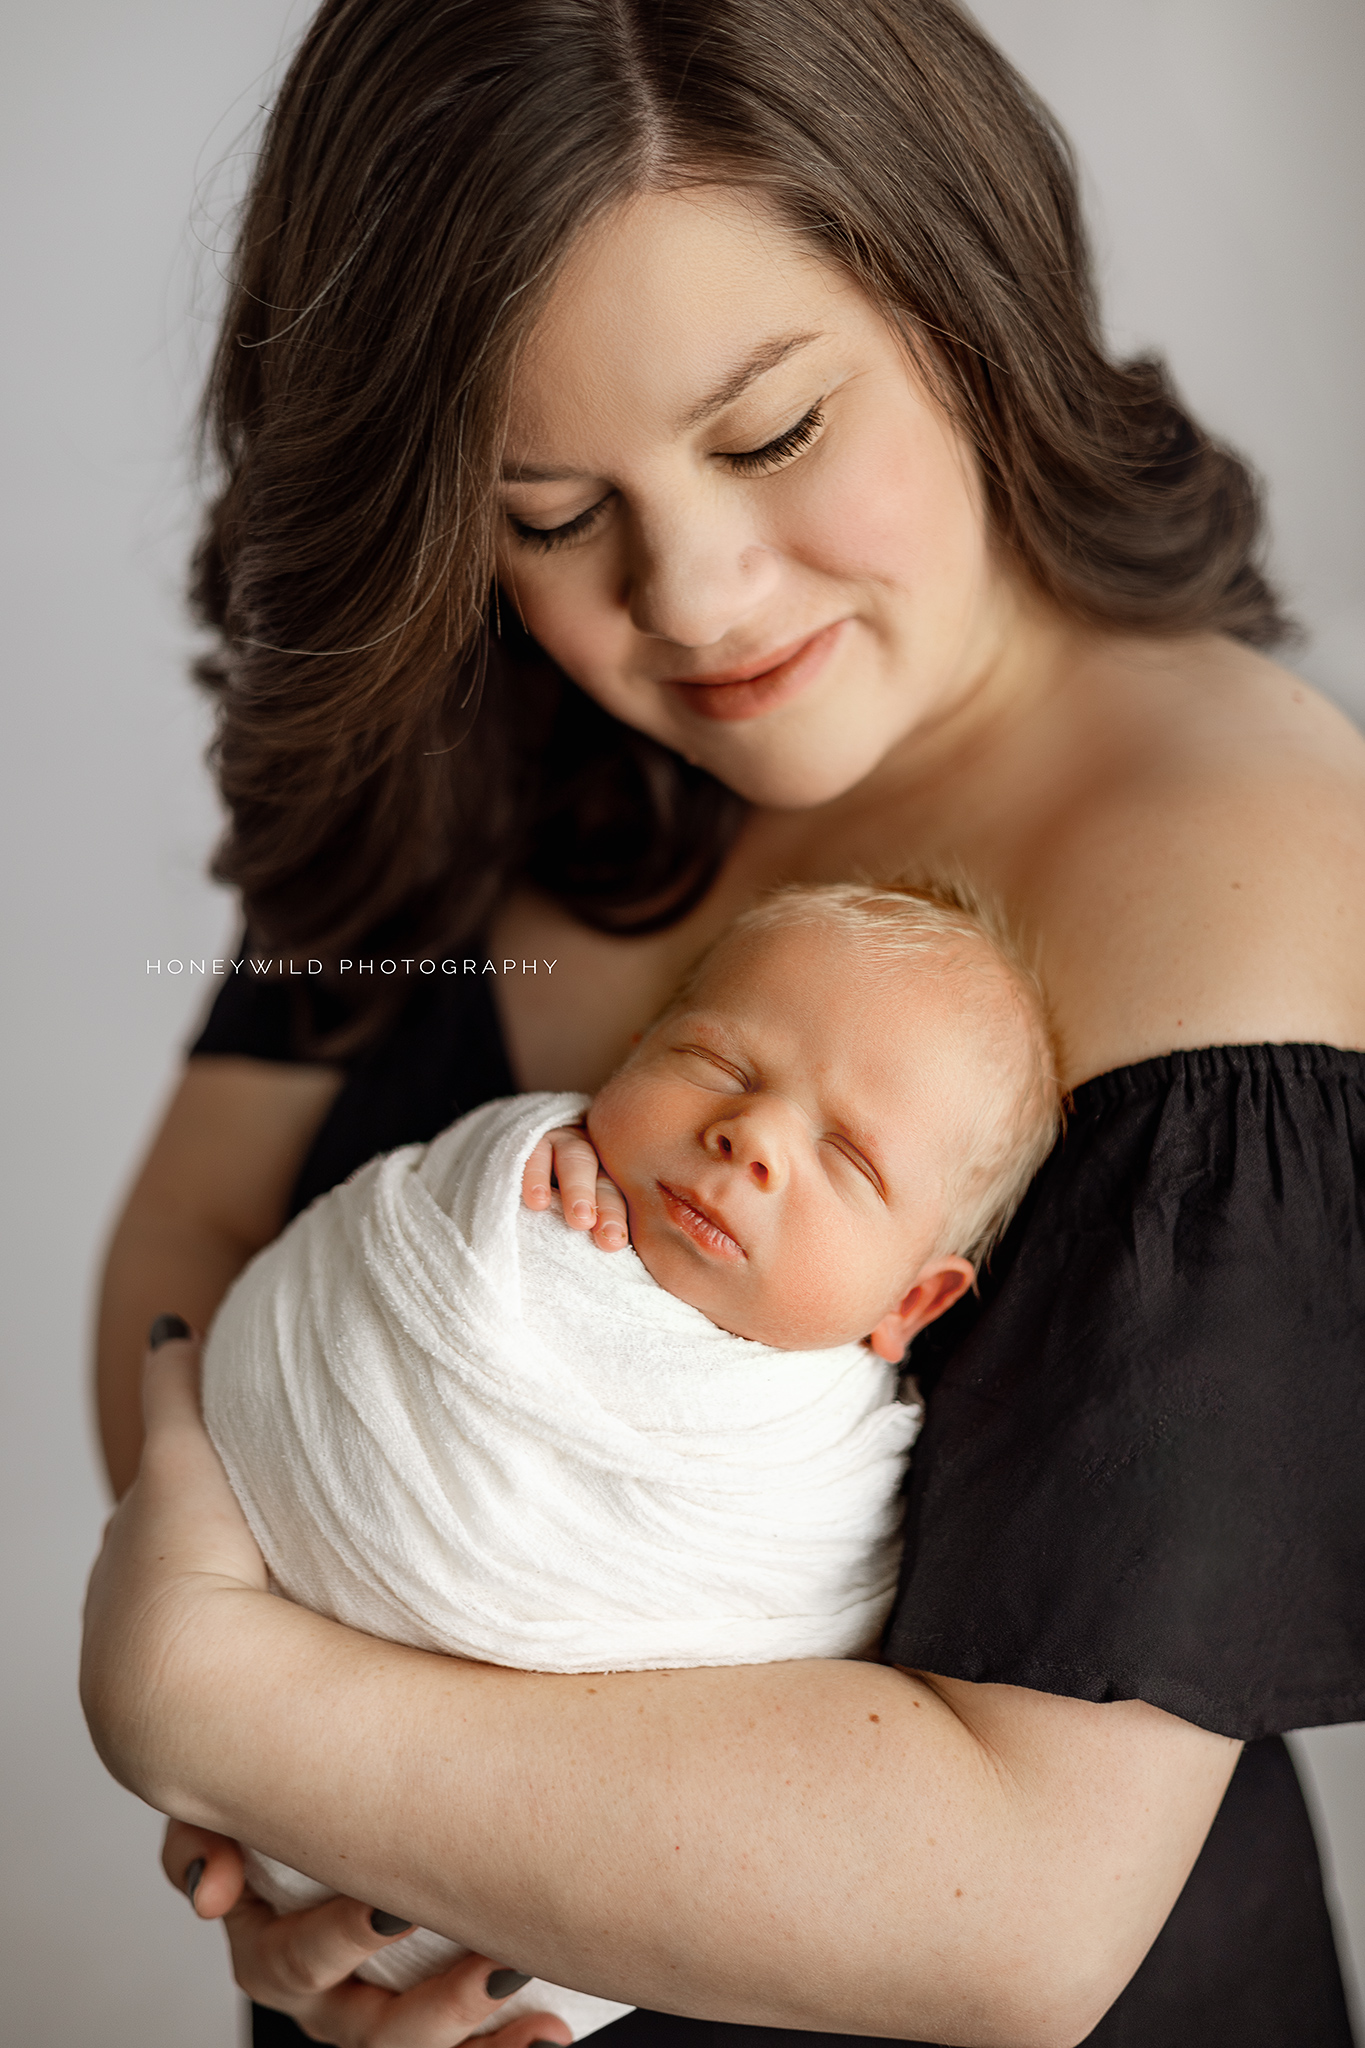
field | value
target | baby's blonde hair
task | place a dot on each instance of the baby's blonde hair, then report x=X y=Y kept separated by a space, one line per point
x=1015 y=1121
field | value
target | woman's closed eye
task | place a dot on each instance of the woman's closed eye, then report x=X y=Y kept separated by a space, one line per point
x=774 y=454
x=546 y=537
x=786 y=447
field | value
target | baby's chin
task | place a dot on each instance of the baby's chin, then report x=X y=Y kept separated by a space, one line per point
x=734 y=1302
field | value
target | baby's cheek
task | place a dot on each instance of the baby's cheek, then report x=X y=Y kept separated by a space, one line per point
x=618 y=1127
x=834 y=1284
x=803 y=1304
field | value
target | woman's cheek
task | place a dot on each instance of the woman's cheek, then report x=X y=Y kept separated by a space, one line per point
x=868 y=527
x=564 y=610
x=579 y=620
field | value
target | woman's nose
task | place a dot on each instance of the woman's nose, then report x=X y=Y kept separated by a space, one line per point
x=699 y=579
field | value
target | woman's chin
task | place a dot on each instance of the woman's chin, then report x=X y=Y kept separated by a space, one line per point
x=778 y=772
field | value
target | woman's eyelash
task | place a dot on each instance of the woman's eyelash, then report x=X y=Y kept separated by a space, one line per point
x=752 y=460
x=547 y=537
x=747 y=461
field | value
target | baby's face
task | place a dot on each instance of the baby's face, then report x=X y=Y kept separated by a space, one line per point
x=783 y=1141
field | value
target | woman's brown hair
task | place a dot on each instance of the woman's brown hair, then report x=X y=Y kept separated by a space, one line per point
x=392 y=752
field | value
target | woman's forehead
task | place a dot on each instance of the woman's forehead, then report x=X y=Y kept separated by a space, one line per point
x=676 y=302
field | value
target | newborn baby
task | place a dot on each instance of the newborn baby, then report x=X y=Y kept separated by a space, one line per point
x=456 y=1423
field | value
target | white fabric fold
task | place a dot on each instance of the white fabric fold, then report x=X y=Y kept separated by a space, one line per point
x=455 y=1423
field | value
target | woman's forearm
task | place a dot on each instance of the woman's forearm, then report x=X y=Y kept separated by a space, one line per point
x=212 y=1190
x=832 y=1846
x=158 y=1261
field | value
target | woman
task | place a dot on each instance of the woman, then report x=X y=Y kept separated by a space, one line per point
x=746 y=354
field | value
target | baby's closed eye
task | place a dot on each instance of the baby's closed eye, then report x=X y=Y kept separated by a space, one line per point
x=711 y=1069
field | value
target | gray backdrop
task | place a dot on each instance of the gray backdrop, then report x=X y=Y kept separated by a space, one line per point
x=1223 y=152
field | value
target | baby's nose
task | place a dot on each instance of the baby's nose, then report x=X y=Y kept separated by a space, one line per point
x=740 y=1148
x=744 y=1155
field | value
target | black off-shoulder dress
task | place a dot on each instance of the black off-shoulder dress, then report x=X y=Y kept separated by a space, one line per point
x=1143 y=1470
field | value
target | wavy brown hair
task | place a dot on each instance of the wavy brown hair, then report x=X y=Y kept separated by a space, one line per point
x=389 y=759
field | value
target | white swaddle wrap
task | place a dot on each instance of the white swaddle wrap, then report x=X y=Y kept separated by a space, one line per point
x=455 y=1423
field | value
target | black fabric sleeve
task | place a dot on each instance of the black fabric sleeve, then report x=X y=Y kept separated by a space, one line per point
x=1142 y=1474
x=264 y=1011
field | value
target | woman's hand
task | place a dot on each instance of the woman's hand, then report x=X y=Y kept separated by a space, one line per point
x=179 y=1533
x=565 y=1158
x=303 y=1963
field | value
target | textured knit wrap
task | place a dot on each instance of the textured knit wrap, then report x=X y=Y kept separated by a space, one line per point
x=455 y=1423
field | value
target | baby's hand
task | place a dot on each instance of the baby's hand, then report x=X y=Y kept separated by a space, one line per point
x=591 y=1201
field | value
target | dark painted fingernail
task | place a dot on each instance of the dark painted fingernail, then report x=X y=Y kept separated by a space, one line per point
x=388 y=1923
x=502 y=1983
x=192 y=1877
x=167 y=1330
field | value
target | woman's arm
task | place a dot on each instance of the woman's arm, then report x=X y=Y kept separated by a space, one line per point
x=212 y=1190
x=821 y=1845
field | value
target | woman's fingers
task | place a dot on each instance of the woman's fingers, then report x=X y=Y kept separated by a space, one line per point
x=287 y=1960
x=449 y=2007
x=529 y=2028
x=303 y=1963
x=205 y=1866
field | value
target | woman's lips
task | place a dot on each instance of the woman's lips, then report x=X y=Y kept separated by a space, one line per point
x=760 y=685
x=703 y=1229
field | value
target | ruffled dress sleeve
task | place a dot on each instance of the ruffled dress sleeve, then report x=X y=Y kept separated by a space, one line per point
x=1142 y=1474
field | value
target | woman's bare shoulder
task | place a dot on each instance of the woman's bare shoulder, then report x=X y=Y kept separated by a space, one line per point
x=1206 y=886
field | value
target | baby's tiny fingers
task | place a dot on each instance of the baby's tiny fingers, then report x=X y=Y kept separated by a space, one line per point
x=612 y=1230
x=576 y=1170
x=535 y=1176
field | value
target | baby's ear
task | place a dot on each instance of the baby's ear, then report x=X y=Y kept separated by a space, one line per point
x=942 y=1282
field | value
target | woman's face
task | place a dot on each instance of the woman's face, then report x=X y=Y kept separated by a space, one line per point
x=732 y=513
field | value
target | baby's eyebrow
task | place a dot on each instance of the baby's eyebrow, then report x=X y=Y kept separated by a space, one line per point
x=704 y=1026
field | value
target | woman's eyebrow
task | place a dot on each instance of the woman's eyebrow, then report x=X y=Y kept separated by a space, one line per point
x=765 y=357
x=522 y=473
